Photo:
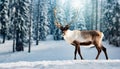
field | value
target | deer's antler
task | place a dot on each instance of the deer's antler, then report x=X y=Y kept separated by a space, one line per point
x=56 y=20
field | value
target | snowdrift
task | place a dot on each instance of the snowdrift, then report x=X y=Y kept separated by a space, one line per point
x=65 y=64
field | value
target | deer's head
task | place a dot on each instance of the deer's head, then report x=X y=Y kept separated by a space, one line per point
x=62 y=28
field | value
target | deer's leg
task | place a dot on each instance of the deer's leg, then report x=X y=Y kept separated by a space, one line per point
x=98 y=47
x=99 y=51
x=105 y=52
x=75 y=52
x=79 y=52
x=77 y=49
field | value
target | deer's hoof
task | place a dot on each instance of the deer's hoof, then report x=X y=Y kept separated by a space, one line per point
x=82 y=59
x=75 y=59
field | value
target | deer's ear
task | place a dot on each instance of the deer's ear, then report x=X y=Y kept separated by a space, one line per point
x=67 y=26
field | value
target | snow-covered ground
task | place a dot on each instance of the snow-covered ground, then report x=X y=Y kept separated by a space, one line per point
x=57 y=55
x=66 y=64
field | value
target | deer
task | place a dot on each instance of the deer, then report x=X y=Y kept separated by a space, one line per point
x=79 y=38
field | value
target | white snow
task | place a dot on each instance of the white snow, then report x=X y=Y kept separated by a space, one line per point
x=52 y=54
x=66 y=64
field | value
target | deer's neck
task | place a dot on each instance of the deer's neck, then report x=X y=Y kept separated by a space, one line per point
x=69 y=36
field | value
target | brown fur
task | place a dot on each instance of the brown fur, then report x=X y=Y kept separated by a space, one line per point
x=81 y=43
x=96 y=40
x=77 y=48
x=92 y=33
x=86 y=43
x=94 y=36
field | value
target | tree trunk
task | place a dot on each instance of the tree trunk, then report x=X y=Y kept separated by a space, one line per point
x=19 y=43
x=29 y=49
x=37 y=31
x=4 y=35
x=14 y=26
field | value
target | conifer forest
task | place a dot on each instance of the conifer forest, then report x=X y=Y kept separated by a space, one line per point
x=28 y=21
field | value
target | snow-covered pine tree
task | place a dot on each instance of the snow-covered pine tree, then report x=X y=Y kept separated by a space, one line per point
x=51 y=5
x=80 y=21
x=10 y=26
x=40 y=25
x=21 y=21
x=57 y=35
x=112 y=23
x=87 y=15
x=4 y=18
x=115 y=25
x=108 y=19
x=36 y=21
x=43 y=28
x=116 y=21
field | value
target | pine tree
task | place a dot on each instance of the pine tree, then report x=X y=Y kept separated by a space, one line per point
x=112 y=23
x=43 y=29
x=12 y=28
x=10 y=16
x=41 y=24
x=87 y=15
x=4 y=18
x=58 y=16
x=21 y=21
x=51 y=5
